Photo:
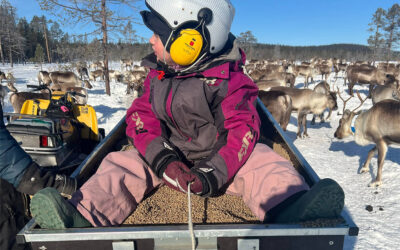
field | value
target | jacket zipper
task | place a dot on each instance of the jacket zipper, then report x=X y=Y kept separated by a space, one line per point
x=171 y=117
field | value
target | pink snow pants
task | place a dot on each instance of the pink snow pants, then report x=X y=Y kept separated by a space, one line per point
x=123 y=179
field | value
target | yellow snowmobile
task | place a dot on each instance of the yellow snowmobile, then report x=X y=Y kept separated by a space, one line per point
x=55 y=132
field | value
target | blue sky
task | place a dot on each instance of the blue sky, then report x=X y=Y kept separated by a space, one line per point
x=285 y=22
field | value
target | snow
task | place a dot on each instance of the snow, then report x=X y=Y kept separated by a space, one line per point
x=340 y=160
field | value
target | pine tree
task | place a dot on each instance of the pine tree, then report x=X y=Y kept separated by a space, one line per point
x=392 y=28
x=376 y=40
x=39 y=55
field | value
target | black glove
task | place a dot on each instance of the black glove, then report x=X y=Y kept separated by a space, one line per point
x=35 y=179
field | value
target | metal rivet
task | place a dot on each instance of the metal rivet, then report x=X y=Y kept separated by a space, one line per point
x=176 y=22
x=223 y=72
x=331 y=243
x=33 y=179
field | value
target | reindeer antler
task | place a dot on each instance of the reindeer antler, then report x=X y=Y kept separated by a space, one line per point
x=344 y=101
x=361 y=100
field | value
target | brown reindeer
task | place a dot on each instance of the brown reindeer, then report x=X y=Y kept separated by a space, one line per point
x=77 y=99
x=134 y=81
x=324 y=88
x=379 y=125
x=278 y=104
x=364 y=75
x=306 y=71
x=96 y=73
x=268 y=84
x=2 y=76
x=126 y=63
x=44 y=78
x=306 y=101
x=3 y=93
x=17 y=99
x=390 y=90
x=83 y=72
x=67 y=78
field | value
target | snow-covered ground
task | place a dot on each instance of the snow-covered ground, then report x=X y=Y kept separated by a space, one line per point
x=328 y=156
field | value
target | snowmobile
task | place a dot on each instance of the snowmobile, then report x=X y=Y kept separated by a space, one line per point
x=56 y=132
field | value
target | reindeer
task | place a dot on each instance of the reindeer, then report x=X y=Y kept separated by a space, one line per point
x=391 y=90
x=97 y=73
x=10 y=77
x=78 y=99
x=115 y=74
x=96 y=65
x=268 y=84
x=3 y=93
x=306 y=71
x=17 y=99
x=2 y=76
x=126 y=63
x=306 y=101
x=134 y=80
x=324 y=88
x=44 y=78
x=258 y=74
x=378 y=125
x=364 y=75
x=83 y=71
x=278 y=104
x=68 y=78
x=324 y=70
x=278 y=76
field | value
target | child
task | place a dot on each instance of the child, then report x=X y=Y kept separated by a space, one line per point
x=196 y=124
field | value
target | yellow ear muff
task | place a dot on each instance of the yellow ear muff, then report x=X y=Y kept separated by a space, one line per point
x=186 y=47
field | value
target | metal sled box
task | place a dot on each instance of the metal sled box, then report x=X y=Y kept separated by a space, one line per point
x=33 y=133
x=223 y=236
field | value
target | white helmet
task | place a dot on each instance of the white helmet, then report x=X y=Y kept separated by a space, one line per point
x=217 y=15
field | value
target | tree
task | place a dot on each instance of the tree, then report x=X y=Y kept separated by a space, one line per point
x=129 y=33
x=39 y=55
x=8 y=37
x=246 y=41
x=277 y=52
x=246 y=37
x=392 y=28
x=97 y=12
x=376 y=40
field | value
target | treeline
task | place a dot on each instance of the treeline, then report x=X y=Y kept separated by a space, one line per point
x=347 y=52
x=41 y=40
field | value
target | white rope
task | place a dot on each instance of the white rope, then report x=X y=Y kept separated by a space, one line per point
x=190 y=223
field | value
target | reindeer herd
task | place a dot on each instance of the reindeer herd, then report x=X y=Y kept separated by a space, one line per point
x=379 y=125
x=77 y=79
x=276 y=81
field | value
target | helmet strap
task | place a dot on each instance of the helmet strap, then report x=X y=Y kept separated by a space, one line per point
x=166 y=45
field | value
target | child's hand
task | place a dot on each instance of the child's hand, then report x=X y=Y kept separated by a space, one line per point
x=177 y=176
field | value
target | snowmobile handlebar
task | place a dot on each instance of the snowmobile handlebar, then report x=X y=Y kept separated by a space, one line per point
x=40 y=87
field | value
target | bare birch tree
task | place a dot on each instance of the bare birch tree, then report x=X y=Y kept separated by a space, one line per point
x=97 y=12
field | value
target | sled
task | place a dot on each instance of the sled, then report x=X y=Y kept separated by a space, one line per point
x=227 y=236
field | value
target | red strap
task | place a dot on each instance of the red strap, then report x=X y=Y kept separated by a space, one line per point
x=161 y=74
